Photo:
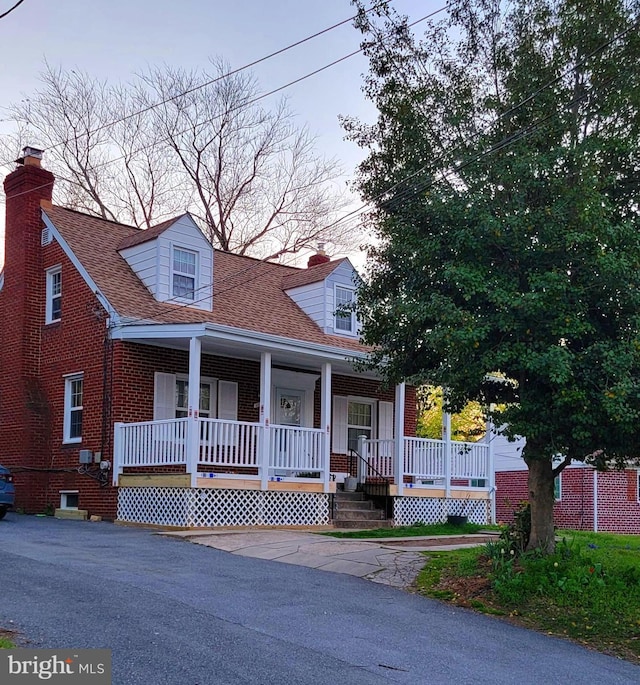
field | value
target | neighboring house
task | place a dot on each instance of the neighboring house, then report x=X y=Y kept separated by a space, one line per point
x=586 y=499
x=146 y=377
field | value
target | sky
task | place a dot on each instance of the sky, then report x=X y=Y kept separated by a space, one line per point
x=114 y=39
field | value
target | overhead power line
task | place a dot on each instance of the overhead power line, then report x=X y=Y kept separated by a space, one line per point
x=216 y=79
x=4 y=14
x=262 y=96
x=508 y=140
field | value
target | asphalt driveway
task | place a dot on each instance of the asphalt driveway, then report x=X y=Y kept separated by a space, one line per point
x=183 y=614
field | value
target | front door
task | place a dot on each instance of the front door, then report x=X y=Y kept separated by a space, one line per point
x=289 y=407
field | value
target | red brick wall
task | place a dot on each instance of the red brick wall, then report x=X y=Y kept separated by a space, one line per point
x=22 y=416
x=618 y=506
x=35 y=357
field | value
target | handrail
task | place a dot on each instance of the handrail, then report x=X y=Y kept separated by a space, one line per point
x=354 y=453
x=379 y=489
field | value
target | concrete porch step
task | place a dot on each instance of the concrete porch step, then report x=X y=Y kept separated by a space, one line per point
x=364 y=504
x=349 y=496
x=359 y=515
x=364 y=525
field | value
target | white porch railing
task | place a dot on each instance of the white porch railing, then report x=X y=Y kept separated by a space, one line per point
x=427 y=460
x=237 y=446
x=469 y=460
x=152 y=443
x=379 y=458
x=229 y=443
x=424 y=458
x=296 y=449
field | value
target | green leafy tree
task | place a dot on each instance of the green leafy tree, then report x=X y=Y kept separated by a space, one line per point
x=503 y=172
x=467 y=425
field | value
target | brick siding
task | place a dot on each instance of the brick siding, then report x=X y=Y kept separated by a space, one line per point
x=618 y=506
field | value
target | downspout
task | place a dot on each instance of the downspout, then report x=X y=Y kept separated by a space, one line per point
x=595 y=501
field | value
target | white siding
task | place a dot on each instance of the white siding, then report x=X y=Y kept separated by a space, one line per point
x=185 y=234
x=344 y=275
x=143 y=259
x=151 y=262
x=311 y=299
x=507 y=456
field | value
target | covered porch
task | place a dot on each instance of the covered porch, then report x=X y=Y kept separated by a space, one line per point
x=202 y=451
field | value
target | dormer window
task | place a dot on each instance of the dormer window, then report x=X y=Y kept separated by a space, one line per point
x=54 y=295
x=184 y=273
x=345 y=318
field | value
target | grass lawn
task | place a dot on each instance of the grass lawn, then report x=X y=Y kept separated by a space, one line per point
x=589 y=590
x=411 y=531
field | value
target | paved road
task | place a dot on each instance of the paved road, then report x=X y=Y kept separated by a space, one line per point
x=183 y=614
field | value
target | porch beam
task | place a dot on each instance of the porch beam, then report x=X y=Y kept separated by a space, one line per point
x=265 y=417
x=193 y=425
x=398 y=466
x=325 y=422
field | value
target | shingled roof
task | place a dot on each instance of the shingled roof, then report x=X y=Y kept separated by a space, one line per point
x=313 y=274
x=148 y=234
x=247 y=292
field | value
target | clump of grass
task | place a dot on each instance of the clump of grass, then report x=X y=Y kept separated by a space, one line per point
x=416 y=530
x=5 y=639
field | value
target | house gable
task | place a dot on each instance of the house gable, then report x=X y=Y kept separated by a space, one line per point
x=175 y=263
x=317 y=292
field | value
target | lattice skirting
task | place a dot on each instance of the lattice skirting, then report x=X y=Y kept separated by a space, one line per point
x=204 y=508
x=408 y=510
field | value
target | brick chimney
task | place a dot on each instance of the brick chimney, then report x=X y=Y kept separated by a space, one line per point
x=22 y=434
x=320 y=257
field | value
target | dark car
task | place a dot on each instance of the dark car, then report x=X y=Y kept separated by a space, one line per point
x=7 y=492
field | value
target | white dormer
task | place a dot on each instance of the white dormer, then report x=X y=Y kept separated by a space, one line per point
x=175 y=262
x=321 y=290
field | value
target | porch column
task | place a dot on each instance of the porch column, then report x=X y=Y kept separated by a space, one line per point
x=116 y=461
x=325 y=423
x=398 y=470
x=193 y=425
x=265 y=418
x=446 y=438
x=491 y=469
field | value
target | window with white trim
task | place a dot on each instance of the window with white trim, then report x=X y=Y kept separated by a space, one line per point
x=557 y=487
x=360 y=421
x=183 y=273
x=218 y=399
x=53 y=295
x=478 y=483
x=207 y=398
x=69 y=499
x=73 y=408
x=345 y=318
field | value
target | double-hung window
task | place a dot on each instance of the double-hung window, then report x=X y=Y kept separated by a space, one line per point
x=345 y=317
x=53 y=295
x=359 y=422
x=73 y=408
x=184 y=273
x=207 y=399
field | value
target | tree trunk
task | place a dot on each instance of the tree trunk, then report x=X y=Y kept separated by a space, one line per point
x=541 y=500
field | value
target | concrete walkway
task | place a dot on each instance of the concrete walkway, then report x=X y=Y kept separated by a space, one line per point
x=391 y=561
